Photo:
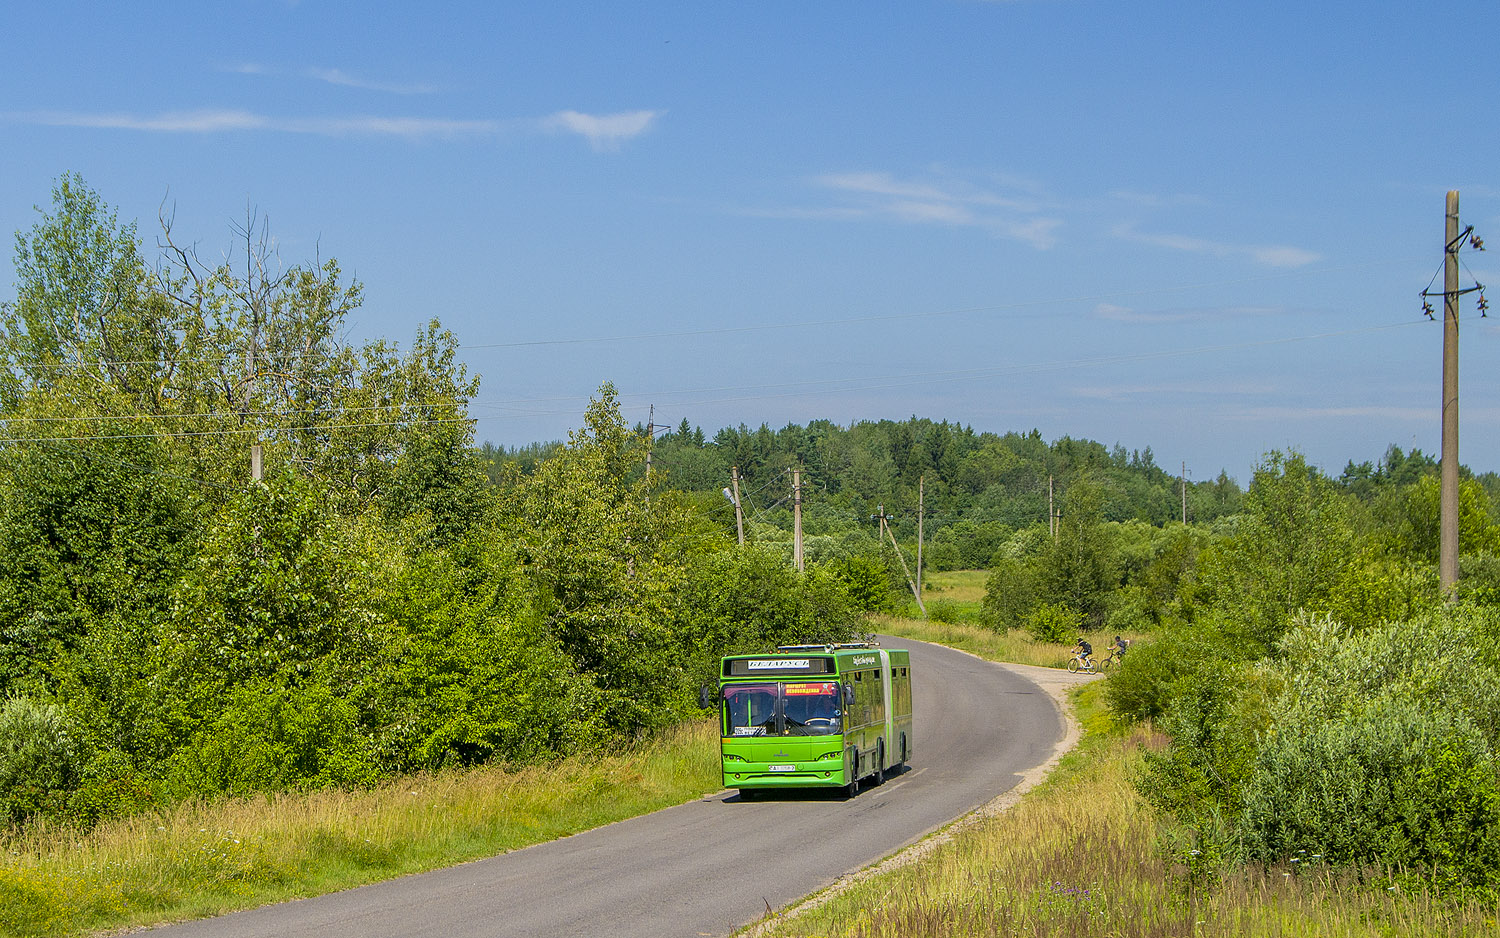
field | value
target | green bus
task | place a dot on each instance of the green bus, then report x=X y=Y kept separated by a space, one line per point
x=814 y=716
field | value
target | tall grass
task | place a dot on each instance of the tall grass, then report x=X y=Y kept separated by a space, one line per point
x=213 y=857
x=1013 y=646
x=1084 y=855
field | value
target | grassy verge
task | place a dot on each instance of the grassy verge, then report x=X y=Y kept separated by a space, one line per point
x=207 y=859
x=1015 y=647
x=1082 y=854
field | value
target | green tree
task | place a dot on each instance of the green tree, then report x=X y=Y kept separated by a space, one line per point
x=1290 y=549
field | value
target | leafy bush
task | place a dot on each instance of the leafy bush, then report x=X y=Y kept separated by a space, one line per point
x=1399 y=785
x=39 y=757
x=271 y=737
x=866 y=580
x=945 y=611
x=1054 y=622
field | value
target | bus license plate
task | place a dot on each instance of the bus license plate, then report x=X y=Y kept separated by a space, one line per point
x=781 y=768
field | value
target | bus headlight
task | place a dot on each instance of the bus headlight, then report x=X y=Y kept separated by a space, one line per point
x=731 y=757
x=830 y=755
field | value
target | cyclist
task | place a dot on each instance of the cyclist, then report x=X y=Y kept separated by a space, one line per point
x=1119 y=646
x=1085 y=651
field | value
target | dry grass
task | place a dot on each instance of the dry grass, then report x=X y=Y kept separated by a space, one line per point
x=1084 y=855
x=209 y=858
x=1015 y=647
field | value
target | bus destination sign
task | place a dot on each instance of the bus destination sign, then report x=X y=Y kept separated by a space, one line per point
x=758 y=667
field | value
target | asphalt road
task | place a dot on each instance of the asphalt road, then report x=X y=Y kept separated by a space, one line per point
x=711 y=865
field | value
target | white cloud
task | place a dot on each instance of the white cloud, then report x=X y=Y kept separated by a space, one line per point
x=605 y=131
x=201 y=121
x=1270 y=255
x=336 y=76
x=333 y=76
x=221 y=121
x=942 y=201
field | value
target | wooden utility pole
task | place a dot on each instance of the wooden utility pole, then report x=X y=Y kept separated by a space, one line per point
x=739 y=515
x=921 y=483
x=1184 y=491
x=1448 y=493
x=797 y=518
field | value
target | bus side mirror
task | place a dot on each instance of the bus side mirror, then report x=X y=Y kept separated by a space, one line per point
x=708 y=697
x=848 y=694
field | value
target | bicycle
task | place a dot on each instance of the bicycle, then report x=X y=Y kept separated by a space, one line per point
x=1079 y=663
x=1111 y=659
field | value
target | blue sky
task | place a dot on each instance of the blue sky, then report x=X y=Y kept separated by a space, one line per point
x=1199 y=227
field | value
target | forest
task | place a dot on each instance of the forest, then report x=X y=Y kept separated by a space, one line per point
x=245 y=556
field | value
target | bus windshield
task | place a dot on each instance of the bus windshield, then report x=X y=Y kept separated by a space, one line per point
x=800 y=708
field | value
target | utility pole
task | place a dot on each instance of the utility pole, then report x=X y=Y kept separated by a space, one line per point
x=650 y=438
x=739 y=515
x=1448 y=493
x=886 y=530
x=1051 y=513
x=256 y=473
x=797 y=518
x=1184 y=491
x=921 y=484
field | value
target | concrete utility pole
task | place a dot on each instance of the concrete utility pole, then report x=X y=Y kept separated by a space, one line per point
x=797 y=518
x=1051 y=514
x=256 y=472
x=650 y=438
x=1184 y=491
x=886 y=530
x=739 y=515
x=1448 y=494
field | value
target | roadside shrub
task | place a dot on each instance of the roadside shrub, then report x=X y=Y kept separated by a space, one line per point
x=1216 y=720
x=1398 y=785
x=1144 y=685
x=945 y=611
x=109 y=787
x=39 y=758
x=271 y=738
x=1054 y=622
x=866 y=580
x=1010 y=593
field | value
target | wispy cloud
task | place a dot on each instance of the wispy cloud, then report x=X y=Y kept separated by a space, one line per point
x=208 y=121
x=334 y=76
x=603 y=131
x=1115 y=392
x=1271 y=255
x=1004 y=207
x=1126 y=314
